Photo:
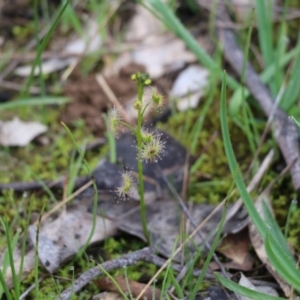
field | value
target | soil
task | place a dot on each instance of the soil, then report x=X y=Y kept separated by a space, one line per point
x=89 y=101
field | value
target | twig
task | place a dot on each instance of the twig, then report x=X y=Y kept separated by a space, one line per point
x=17 y=86
x=64 y=201
x=145 y=254
x=25 y=294
x=37 y=185
x=112 y=97
x=121 y=262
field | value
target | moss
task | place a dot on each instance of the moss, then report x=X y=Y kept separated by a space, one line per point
x=214 y=169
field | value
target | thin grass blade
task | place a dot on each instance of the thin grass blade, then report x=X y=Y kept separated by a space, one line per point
x=281 y=262
x=239 y=289
x=235 y=171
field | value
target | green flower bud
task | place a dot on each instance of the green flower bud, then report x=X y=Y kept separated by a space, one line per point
x=147 y=81
x=138 y=104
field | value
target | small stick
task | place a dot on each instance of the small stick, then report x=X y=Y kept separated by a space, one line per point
x=145 y=254
x=64 y=201
x=112 y=97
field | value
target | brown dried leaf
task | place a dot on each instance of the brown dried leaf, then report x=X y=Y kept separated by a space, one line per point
x=107 y=296
x=236 y=247
x=127 y=286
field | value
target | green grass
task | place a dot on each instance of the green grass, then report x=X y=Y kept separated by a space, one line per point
x=276 y=246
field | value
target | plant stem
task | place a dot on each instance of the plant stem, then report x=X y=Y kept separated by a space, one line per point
x=140 y=165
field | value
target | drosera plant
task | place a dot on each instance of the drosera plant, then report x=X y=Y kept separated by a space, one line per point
x=150 y=146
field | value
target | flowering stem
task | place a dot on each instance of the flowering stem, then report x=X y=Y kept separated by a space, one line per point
x=140 y=164
x=128 y=126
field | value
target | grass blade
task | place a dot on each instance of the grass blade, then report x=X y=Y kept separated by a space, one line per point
x=244 y=291
x=275 y=231
x=264 y=12
x=292 y=90
x=281 y=261
x=235 y=171
x=210 y=254
x=34 y=101
x=44 y=43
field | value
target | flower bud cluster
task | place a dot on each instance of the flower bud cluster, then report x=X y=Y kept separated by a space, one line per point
x=142 y=78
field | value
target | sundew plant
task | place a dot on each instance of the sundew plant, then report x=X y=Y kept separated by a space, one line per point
x=150 y=146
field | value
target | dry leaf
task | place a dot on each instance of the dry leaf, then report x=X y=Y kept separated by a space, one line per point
x=244 y=281
x=127 y=286
x=157 y=50
x=236 y=247
x=62 y=238
x=108 y=296
x=19 y=133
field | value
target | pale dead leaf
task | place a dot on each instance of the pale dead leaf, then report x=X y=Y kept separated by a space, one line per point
x=127 y=286
x=258 y=243
x=62 y=238
x=19 y=133
x=142 y=25
x=244 y=281
x=156 y=49
x=189 y=87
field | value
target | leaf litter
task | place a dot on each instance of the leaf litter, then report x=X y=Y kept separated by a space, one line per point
x=163 y=213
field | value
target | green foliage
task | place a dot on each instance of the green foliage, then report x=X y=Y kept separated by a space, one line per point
x=276 y=247
x=245 y=291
